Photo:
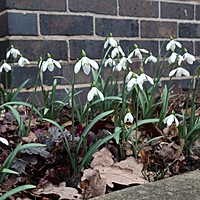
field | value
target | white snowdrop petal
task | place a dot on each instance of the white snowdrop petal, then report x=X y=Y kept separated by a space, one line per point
x=144 y=50
x=93 y=64
x=100 y=94
x=170 y=120
x=86 y=69
x=57 y=63
x=172 y=72
x=77 y=67
x=176 y=121
x=4 y=141
x=91 y=94
x=185 y=72
x=105 y=44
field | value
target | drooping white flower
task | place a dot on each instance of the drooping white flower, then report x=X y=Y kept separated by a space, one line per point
x=110 y=62
x=4 y=141
x=189 y=58
x=143 y=77
x=137 y=52
x=180 y=60
x=128 y=76
x=94 y=92
x=151 y=58
x=110 y=41
x=117 y=51
x=14 y=52
x=179 y=71
x=131 y=83
x=169 y=120
x=22 y=61
x=121 y=65
x=172 y=45
x=5 y=66
x=49 y=64
x=128 y=118
x=86 y=63
x=172 y=58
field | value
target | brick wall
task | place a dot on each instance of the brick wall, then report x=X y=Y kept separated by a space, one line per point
x=64 y=27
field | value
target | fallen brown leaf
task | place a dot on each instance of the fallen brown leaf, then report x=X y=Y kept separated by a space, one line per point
x=62 y=191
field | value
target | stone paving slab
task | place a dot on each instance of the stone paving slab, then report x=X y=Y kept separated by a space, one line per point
x=180 y=187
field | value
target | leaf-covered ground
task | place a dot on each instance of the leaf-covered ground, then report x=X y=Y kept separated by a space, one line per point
x=49 y=167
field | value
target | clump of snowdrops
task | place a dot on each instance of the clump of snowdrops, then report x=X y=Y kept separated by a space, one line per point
x=129 y=101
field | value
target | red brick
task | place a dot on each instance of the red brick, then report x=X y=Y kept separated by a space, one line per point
x=66 y=25
x=108 y=7
x=54 y=5
x=33 y=49
x=177 y=10
x=119 y=27
x=158 y=29
x=137 y=8
x=189 y=30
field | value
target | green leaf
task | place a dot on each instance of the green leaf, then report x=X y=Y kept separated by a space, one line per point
x=94 y=148
x=92 y=123
x=9 y=171
x=16 y=190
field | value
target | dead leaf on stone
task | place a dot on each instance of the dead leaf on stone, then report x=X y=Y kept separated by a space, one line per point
x=102 y=157
x=62 y=191
x=31 y=138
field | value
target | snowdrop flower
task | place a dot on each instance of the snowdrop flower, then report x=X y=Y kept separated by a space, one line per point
x=110 y=62
x=94 y=92
x=86 y=63
x=171 y=119
x=180 y=60
x=22 y=61
x=14 y=52
x=151 y=58
x=189 y=58
x=143 y=77
x=172 y=45
x=179 y=71
x=117 y=51
x=110 y=41
x=172 y=58
x=128 y=118
x=128 y=76
x=4 y=141
x=49 y=64
x=5 y=66
x=131 y=83
x=137 y=52
x=121 y=65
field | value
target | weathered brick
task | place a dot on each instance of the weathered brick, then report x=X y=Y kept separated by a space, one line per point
x=137 y=8
x=189 y=30
x=80 y=77
x=108 y=7
x=58 y=5
x=93 y=48
x=33 y=49
x=48 y=77
x=22 y=24
x=119 y=27
x=158 y=29
x=151 y=46
x=3 y=25
x=66 y=25
x=198 y=12
x=197 y=48
x=177 y=10
x=2 y=5
x=22 y=74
